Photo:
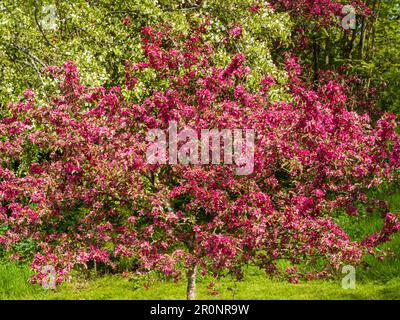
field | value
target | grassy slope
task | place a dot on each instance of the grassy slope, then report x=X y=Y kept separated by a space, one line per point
x=380 y=281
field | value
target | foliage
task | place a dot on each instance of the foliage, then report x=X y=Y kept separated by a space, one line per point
x=77 y=193
x=99 y=36
x=312 y=156
x=369 y=52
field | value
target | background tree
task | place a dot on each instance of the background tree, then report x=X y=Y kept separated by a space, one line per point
x=363 y=57
x=99 y=36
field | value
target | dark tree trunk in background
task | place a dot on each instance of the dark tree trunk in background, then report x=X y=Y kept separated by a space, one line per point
x=315 y=58
x=362 y=37
x=348 y=52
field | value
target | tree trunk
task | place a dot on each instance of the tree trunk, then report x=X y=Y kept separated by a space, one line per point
x=362 y=37
x=315 y=59
x=349 y=50
x=191 y=285
x=328 y=52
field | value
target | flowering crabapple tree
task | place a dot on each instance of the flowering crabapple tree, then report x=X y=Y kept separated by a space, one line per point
x=76 y=184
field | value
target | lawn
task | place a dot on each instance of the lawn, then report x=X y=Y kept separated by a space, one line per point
x=381 y=280
x=14 y=285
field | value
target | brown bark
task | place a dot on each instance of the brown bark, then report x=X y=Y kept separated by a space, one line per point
x=191 y=285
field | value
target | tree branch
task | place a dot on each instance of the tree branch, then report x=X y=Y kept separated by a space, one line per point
x=40 y=27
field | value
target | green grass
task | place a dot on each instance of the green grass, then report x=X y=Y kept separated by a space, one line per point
x=14 y=281
x=255 y=286
x=364 y=225
x=381 y=280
